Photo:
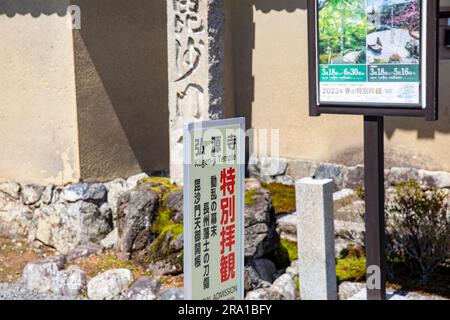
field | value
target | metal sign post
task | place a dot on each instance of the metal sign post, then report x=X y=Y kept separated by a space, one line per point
x=374 y=199
x=374 y=58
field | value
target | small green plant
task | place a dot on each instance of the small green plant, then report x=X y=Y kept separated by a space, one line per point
x=419 y=228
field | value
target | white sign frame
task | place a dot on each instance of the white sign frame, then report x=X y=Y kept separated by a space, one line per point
x=187 y=199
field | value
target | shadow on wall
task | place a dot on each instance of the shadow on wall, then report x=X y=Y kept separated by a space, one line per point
x=427 y=130
x=243 y=40
x=243 y=33
x=121 y=78
x=33 y=7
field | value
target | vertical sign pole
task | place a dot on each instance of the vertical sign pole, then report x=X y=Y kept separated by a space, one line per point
x=374 y=198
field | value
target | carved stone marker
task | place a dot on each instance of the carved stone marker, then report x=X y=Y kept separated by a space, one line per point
x=196 y=68
x=317 y=267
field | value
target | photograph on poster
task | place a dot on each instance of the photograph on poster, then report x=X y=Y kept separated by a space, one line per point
x=393 y=32
x=369 y=51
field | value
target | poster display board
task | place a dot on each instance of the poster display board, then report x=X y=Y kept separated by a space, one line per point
x=373 y=54
x=214 y=172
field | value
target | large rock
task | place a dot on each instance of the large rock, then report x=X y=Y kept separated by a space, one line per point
x=83 y=251
x=31 y=194
x=347 y=289
x=252 y=280
x=396 y=175
x=273 y=166
x=352 y=232
x=260 y=234
x=265 y=268
x=287 y=227
x=65 y=226
x=266 y=168
x=174 y=202
x=145 y=288
x=166 y=255
x=39 y=275
x=285 y=286
x=109 y=285
x=163 y=268
x=11 y=189
x=115 y=189
x=47 y=195
x=84 y=192
x=435 y=179
x=293 y=269
x=299 y=169
x=263 y=294
x=69 y=283
x=172 y=294
x=353 y=177
x=331 y=171
x=132 y=182
x=110 y=240
x=136 y=210
x=15 y=218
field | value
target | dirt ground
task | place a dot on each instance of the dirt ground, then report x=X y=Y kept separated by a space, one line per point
x=14 y=255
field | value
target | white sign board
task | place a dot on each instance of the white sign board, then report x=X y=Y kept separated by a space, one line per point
x=214 y=169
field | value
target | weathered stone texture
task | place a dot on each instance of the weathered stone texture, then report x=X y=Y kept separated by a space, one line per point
x=196 y=69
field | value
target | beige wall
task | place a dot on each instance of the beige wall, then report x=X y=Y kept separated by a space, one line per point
x=92 y=104
x=270 y=66
x=38 y=120
x=121 y=77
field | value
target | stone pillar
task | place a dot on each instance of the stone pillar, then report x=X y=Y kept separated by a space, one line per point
x=196 y=69
x=317 y=265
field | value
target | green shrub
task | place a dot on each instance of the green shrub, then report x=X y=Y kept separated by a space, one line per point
x=418 y=228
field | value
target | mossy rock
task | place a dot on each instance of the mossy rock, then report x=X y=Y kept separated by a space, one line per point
x=162 y=186
x=283 y=197
x=163 y=223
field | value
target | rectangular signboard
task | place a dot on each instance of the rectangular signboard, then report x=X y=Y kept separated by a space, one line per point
x=214 y=170
x=373 y=57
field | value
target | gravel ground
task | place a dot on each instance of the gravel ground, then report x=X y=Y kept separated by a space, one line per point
x=17 y=292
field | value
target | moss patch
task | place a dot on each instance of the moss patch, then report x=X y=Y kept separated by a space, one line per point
x=291 y=248
x=250 y=197
x=351 y=269
x=163 y=223
x=283 y=197
x=162 y=186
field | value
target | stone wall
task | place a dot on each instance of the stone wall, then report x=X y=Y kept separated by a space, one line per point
x=287 y=171
x=62 y=217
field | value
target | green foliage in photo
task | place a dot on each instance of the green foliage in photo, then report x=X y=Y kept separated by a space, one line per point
x=342 y=29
